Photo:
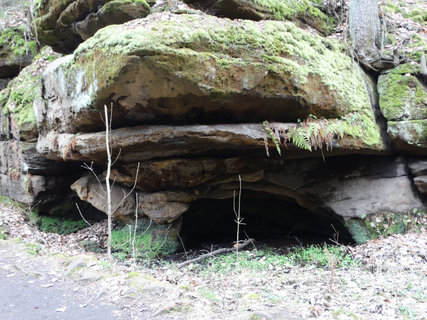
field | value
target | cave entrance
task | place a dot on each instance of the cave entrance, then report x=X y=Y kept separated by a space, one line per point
x=271 y=221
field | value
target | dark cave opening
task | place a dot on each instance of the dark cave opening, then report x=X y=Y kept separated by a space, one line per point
x=271 y=221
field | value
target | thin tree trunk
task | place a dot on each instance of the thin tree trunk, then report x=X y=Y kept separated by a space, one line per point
x=365 y=29
x=107 y=179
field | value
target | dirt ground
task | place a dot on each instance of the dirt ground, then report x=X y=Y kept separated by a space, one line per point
x=388 y=282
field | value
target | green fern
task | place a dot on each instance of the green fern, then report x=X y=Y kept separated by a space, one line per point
x=314 y=133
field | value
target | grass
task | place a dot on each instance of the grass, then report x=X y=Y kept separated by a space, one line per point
x=268 y=259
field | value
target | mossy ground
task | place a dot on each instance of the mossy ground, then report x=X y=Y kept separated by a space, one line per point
x=57 y=225
x=411 y=10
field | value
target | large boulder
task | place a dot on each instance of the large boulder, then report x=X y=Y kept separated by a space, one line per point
x=180 y=69
x=403 y=102
x=65 y=24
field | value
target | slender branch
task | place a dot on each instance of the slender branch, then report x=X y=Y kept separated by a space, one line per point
x=81 y=215
x=107 y=179
x=216 y=252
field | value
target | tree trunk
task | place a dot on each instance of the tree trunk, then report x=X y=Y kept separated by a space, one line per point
x=365 y=30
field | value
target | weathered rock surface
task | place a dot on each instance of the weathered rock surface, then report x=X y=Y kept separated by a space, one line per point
x=418 y=168
x=161 y=207
x=65 y=24
x=142 y=143
x=403 y=101
x=192 y=68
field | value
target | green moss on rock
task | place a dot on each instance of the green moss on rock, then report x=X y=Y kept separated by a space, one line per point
x=19 y=42
x=402 y=96
x=295 y=62
x=384 y=224
x=302 y=12
x=407 y=134
x=17 y=99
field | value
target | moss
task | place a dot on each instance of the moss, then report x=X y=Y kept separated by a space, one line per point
x=416 y=47
x=150 y=240
x=56 y=224
x=111 y=6
x=296 y=10
x=384 y=224
x=413 y=132
x=189 y=41
x=407 y=10
x=402 y=97
x=17 y=100
x=17 y=39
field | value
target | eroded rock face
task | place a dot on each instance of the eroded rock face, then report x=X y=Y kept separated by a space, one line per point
x=65 y=24
x=30 y=179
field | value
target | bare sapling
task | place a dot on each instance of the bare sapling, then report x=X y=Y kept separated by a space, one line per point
x=109 y=212
x=135 y=227
x=332 y=263
x=239 y=219
x=108 y=185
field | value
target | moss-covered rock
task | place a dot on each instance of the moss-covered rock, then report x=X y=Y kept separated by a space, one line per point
x=403 y=102
x=409 y=136
x=16 y=101
x=193 y=68
x=149 y=239
x=384 y=224
x=402 y=96
x=63 y=24
x=17 y=48
x=300 y=12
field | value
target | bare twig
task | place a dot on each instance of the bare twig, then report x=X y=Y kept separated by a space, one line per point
x=216 y=252
x=107 y=178
x=81 y=215
x=239 y=220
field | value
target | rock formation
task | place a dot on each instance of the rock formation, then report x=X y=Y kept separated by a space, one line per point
x=198 y=101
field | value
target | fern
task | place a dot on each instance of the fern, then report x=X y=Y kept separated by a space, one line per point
x=314 y=133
